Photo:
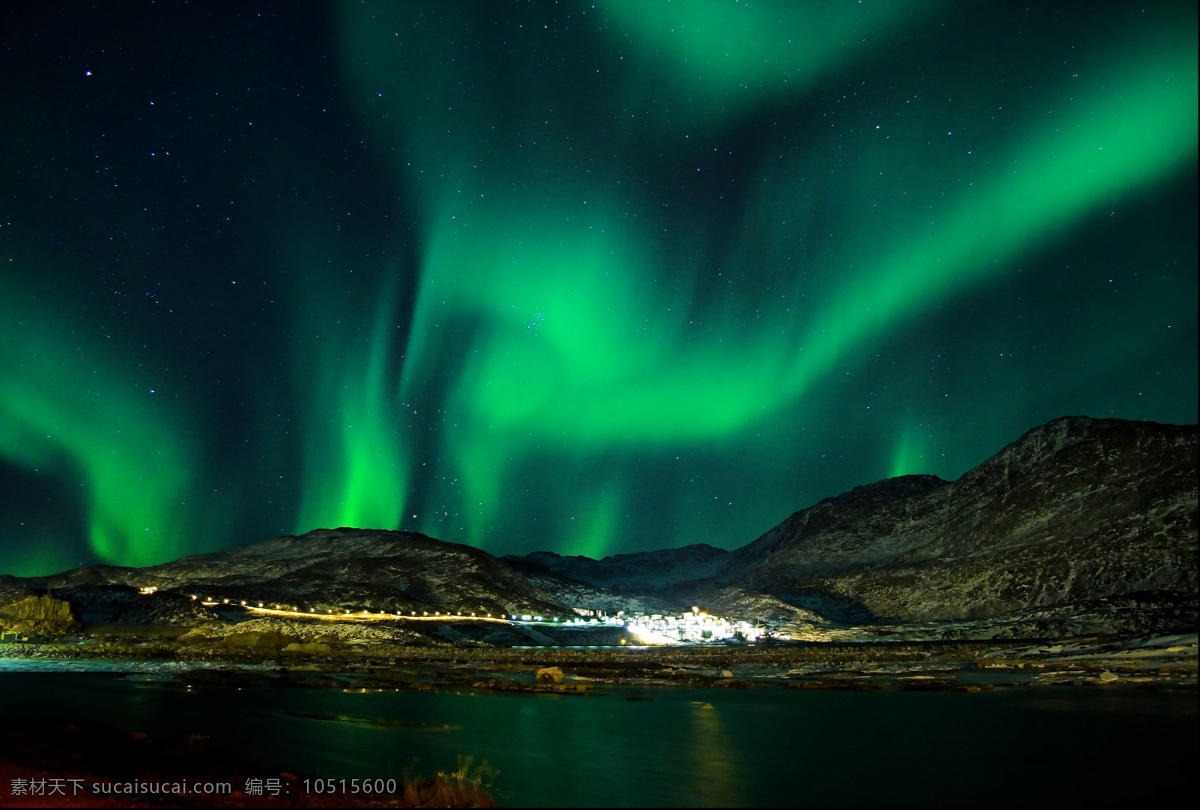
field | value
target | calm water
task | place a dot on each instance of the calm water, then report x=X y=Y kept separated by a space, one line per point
x=686 y=746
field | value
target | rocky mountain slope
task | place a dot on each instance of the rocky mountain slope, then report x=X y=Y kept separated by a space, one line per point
x=1080 y=523
x=323 y=570
x=641 y=572
x=1075 y=510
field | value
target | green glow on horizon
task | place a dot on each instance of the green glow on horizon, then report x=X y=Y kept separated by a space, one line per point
x=908 y=456
x=597 y=526
x=355 y=465
x=72 y=406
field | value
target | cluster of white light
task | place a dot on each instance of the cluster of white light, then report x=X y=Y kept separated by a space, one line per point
x=695 y=627
x=593 y=621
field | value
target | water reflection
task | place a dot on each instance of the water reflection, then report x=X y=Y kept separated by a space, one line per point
x=687 y=747
x=713 y=757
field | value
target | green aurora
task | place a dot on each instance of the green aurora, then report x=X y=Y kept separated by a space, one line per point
x=591 y=278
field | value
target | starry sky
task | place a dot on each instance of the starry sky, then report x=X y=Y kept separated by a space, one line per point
x=591 y=277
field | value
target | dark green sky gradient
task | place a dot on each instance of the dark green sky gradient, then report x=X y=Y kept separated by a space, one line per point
x=584 y=278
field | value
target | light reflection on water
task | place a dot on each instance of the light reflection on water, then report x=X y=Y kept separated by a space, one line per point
x=697 y=747
x=712 y=754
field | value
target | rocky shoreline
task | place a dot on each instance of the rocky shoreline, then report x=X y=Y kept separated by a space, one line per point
x=1158 y=662
x=87 y=753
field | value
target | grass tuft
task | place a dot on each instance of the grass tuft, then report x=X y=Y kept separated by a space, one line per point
x=466 y=786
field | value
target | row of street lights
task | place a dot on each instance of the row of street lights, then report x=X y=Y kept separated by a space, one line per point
x=209 y=601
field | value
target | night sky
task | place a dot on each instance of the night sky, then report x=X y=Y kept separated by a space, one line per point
x=587 y=277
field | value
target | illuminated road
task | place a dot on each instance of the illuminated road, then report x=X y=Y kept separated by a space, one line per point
x=370 y=616
x=654 y=632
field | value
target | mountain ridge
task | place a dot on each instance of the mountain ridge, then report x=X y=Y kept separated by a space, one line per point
x=1074 y=511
